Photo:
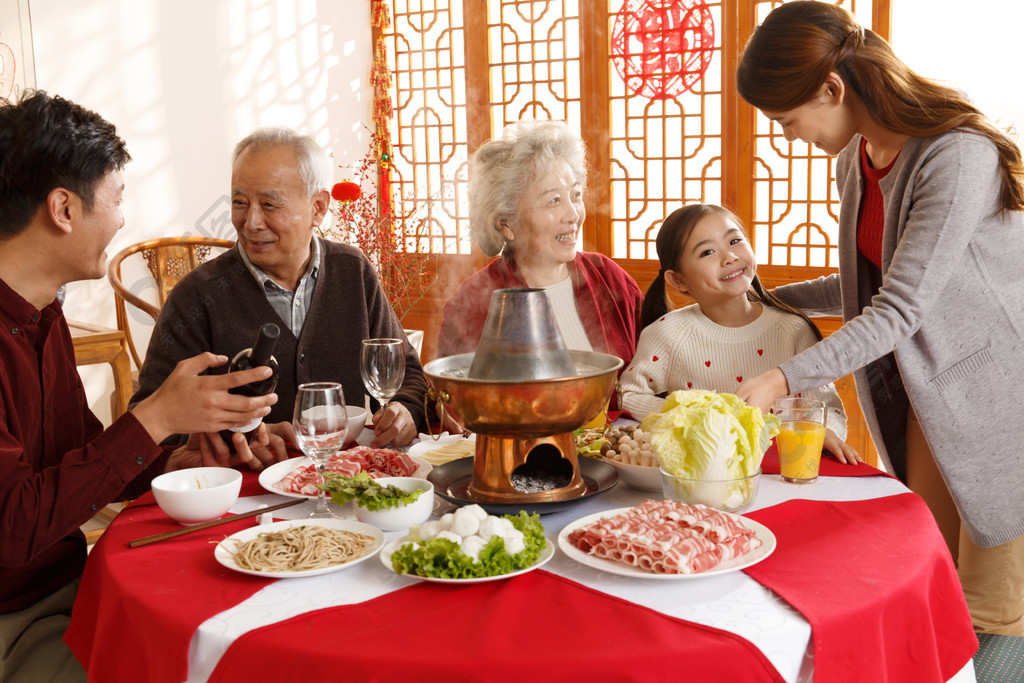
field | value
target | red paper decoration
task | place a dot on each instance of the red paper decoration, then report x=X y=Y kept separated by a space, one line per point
x=7 y=68
x=662 y=48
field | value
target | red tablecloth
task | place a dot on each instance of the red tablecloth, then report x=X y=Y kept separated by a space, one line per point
x=536 y=627
x=186 y=587
x=883 y=604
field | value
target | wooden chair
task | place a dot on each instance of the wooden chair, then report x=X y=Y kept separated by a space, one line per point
x=168 y=259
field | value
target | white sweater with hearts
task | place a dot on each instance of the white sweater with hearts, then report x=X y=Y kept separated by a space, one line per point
x=684 y=349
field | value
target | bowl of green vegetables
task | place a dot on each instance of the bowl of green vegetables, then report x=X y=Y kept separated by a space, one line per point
x=388 y=503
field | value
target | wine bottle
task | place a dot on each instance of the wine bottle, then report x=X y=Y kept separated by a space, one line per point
x=258 y=355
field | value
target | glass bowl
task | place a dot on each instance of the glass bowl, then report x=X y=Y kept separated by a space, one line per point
x=728 y=495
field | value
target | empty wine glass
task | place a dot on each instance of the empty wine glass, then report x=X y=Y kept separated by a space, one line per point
x=382 y=365
x=321 y=424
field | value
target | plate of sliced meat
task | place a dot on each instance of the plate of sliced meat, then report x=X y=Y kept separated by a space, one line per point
x=663 y=539
x=296 y=477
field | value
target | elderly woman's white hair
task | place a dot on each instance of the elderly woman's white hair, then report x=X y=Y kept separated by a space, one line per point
x=504 y=167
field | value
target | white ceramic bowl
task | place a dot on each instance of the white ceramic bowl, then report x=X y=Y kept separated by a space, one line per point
x=643 y=477
x=397 y=519
x=198 y=494
x=356 y=422
x=729 y=495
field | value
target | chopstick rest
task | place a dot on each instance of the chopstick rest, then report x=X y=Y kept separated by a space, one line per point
x=163 y=536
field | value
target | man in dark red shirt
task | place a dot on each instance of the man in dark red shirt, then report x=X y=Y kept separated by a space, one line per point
x=60 y=196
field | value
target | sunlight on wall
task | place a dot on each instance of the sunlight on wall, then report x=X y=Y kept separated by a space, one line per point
x=183 y=82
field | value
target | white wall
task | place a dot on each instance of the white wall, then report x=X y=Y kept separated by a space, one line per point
x=184 y=80
x=975 y=46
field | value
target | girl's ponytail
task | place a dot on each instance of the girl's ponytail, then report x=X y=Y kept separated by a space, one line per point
x=655 y=301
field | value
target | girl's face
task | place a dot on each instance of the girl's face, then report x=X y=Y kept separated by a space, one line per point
x=551 y=215
x=717 y=263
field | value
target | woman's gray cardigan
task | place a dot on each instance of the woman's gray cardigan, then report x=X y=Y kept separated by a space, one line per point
x=951 y=307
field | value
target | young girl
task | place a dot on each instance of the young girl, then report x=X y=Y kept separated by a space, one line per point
x=735 y=330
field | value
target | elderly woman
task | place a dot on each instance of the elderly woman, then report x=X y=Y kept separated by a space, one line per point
x=526 y=204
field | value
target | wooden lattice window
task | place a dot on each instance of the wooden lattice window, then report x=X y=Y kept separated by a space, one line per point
x=464 y=70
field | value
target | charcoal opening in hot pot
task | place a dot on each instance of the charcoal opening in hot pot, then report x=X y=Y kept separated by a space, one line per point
x=544 y=470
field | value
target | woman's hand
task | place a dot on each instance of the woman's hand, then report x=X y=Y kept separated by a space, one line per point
x=761 y=391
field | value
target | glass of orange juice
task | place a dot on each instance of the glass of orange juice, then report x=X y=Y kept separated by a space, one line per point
x=800 y=439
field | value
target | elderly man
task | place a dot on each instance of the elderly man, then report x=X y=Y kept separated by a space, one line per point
x=324 y=296
x=60 y=205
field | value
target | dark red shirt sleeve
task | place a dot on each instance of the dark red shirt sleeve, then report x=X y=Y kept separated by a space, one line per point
x=58 y=466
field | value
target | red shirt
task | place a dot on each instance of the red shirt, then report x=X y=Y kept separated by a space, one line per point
x=57 y=464
x=872 y=213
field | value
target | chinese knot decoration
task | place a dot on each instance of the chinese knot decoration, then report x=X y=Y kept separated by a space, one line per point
x=662 y=49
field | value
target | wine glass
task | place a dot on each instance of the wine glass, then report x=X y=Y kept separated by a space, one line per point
x=382 y=365
x=321 y=424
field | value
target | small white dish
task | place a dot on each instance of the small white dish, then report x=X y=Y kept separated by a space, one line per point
x=444 y=449
x=390 y=548
x=197 y=494
x=401 y=518
x=223 y=551
x=356 y=423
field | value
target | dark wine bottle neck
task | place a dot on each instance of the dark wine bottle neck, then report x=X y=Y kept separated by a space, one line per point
x=263 y=349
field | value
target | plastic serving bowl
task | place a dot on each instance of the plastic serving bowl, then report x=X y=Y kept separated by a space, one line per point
x=729 y=495
x=397 y=519
x=198 y=494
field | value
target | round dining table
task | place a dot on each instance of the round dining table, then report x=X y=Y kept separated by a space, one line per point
x=859 y=587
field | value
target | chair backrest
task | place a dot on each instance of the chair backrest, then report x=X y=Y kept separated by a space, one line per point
x=168 y=259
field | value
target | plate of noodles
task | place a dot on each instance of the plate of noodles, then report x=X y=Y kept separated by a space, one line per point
x=299 y=547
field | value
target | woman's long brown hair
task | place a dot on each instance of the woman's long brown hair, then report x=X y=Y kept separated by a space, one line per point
x=789 y=56
x=672 y=236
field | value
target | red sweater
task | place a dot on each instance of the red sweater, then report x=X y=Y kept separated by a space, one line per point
x=57 y=464
x=872 y=212
x=607 y=296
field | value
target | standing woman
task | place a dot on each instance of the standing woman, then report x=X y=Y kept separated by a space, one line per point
x=930 y=286
x=526 y=206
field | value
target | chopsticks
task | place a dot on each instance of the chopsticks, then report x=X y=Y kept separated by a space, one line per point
x=163 y=536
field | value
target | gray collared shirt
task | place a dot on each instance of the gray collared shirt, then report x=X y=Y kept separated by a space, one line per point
x=292 y=307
